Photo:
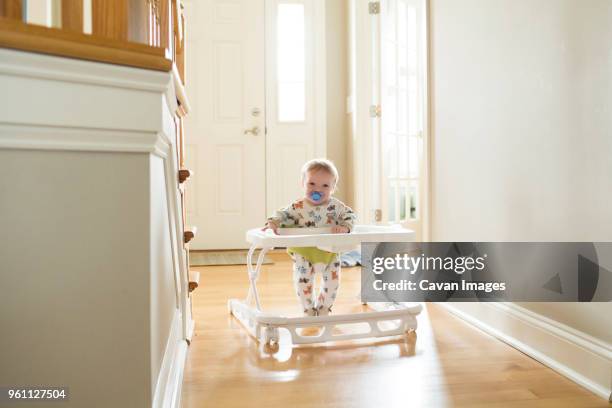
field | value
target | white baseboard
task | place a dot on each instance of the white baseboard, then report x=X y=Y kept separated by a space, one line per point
x=170 y=378
x=575 y=355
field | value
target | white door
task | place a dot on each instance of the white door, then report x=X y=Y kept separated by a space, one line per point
x=295 y=94
x=225 y=131
x=390 y=73
x=402 y=122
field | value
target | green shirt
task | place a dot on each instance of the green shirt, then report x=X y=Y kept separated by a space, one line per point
x=313 y=254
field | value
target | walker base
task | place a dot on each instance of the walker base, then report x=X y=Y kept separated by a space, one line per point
x=264 y=326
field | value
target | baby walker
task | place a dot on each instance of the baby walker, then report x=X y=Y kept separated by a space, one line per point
x=265 y=326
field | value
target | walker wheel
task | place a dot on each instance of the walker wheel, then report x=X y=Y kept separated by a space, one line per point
x=270 y=335
x=271 y=347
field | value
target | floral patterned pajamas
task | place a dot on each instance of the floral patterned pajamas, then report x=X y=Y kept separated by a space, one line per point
x=304 y=278
x=308 y=261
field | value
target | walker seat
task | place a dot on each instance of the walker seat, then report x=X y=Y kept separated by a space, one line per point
x=389 y=321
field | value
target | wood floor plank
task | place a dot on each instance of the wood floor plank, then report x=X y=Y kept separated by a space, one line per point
x=452 y=363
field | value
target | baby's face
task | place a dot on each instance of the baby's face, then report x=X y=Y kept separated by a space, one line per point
x=320 y=182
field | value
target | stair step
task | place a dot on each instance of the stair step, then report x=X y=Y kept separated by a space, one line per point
x=190 y=234
x=194 y=280
x=183 y=175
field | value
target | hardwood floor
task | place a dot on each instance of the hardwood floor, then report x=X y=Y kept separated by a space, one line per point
x=452 y=363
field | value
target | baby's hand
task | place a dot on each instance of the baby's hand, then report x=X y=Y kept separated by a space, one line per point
x=339 y=229
x=272 y=226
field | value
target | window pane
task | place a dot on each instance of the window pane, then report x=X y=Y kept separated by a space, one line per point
x=403 y=68
x=402 y=108
x=390 y=64
x=415 y=153
x=402 y=30
x=291 y=105
x=412 y=113
x=412 y=24
x=402 y=151
x=391 y=201
x=390 y=106
x=391 y=158
x=414 y=199
x=402 y=204
x=389 y=21
x=290 y=57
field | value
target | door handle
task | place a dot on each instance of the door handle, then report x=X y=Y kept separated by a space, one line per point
x=254 y=131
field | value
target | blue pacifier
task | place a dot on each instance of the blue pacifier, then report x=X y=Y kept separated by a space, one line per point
x=315 y=195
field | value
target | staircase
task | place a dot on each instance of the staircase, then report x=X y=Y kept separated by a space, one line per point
x=92 y=155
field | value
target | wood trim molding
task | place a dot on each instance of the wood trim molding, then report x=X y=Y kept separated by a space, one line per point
x=28 y=137
x=23 y=64
x=169 y=382
x=18 y=35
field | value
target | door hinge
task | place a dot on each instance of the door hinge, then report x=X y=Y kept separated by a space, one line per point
x=374 y=7
x=375 y=111
x=378 y=215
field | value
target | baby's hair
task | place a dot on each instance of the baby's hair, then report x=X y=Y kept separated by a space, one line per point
x=320 y=164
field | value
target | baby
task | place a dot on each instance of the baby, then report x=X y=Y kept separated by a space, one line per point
x=316 y=209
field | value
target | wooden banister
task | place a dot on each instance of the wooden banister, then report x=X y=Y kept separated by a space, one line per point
x=17 y=35
x=164 y=24
x=72 y=15
x=117 y=25
x=11 y=9
x=110 y=19
x=138 y=24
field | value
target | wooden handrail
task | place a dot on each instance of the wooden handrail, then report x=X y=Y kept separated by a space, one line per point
x=17 y=35
x=120 y=30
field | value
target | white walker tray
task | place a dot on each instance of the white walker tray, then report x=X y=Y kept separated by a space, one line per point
x=265 y=327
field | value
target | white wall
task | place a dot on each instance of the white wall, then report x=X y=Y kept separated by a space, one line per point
x=522 y=116
x=162 y=290
x=88 y=297
x=522 y=128
x=67 y=275
x=68 y=272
